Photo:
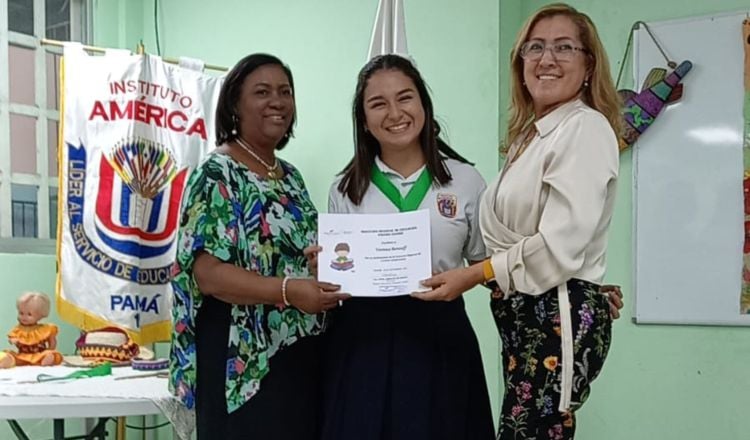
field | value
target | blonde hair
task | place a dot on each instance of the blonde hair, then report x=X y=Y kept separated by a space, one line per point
x=599 y=95
x=39 y=300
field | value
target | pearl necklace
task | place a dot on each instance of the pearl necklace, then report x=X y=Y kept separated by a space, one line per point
x=272 y=170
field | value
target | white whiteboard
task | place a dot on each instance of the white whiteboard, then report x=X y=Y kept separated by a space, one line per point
x=687 y=179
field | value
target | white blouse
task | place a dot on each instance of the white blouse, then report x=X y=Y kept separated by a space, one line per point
x=545 y=217
x=453 y=207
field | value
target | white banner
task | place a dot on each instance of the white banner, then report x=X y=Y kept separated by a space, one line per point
x=133 y=129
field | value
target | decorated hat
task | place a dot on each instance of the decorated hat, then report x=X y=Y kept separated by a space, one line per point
x=108 y=344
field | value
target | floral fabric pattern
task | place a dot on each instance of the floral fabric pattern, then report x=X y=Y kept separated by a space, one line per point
x=532 y=359
x=258 y=224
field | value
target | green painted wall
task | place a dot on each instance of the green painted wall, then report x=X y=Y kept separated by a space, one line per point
x=118 y=24
x=510 y=23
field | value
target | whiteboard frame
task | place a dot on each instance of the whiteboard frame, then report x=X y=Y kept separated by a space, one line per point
x=642 y=314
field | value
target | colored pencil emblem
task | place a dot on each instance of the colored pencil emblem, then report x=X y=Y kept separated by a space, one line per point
x=145 y=166
x=641 y=109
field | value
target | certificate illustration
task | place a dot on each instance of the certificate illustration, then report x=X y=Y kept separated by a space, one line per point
x=375 y=254
x=342 y=260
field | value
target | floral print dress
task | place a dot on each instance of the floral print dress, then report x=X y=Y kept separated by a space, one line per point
x=258 y=224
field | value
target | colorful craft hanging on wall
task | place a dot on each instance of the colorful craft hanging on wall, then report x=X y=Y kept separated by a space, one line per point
x=641 y=109
x=659 y=89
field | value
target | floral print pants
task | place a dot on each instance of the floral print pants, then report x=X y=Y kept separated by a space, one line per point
x=532 y=359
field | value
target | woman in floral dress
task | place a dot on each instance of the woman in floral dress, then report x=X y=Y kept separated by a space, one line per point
x=244 y=351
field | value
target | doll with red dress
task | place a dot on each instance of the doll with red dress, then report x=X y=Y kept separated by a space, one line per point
x=35 y=342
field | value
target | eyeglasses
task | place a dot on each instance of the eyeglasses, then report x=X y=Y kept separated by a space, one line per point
x=533 y=50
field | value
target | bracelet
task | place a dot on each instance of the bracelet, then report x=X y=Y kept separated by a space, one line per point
x=487 y=270
x=489 y=275
x=283 y=291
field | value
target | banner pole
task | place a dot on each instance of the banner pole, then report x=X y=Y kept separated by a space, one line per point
x=140 y=50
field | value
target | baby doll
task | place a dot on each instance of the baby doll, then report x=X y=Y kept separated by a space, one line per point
x=35 y=342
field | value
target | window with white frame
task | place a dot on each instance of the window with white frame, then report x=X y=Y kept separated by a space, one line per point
x=30 y=117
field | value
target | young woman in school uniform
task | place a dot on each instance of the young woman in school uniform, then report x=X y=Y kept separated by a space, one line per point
x=400 y=368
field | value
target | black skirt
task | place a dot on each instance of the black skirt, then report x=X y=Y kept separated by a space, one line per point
x=403 y=369
x=285 y=408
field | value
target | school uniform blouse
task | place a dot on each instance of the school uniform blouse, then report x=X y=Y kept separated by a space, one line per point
x=453 y=211
x=408 y=349
x=545 y=218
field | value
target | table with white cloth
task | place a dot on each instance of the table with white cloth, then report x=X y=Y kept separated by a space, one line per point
x=96 y=397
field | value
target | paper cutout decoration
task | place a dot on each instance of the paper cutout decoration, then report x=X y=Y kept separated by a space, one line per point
x=641 y=109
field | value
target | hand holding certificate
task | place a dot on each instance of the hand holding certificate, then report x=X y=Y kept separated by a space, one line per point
x=375 y=254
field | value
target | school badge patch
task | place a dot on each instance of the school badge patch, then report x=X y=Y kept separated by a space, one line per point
x=447 y=205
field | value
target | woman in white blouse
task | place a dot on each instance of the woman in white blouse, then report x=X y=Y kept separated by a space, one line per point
x=545 y=221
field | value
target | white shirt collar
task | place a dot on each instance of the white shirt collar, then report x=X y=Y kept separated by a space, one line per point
x=551 y=120
x=388 y=170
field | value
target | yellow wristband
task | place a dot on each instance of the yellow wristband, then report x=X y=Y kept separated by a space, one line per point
x=487 y=270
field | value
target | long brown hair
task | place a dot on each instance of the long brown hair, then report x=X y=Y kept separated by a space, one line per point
x=357 y=173
x=599 y=95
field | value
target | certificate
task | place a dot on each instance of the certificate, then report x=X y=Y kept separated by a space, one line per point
x=375 y=254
